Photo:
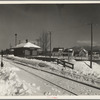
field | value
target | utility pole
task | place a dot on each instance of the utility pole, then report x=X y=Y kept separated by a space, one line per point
x=50 y=44
x=19 y=41
x=15 y=39
x=10 y=46
x=2 y=58
x=68 y=54
x=91 y=45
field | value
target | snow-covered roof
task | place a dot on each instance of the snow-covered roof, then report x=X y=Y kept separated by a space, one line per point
x=68 y=50
x=57 y=49
x=84 y=50
x=27 y=45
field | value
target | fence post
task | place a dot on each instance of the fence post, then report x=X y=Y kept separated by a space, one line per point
x=63 y=63
x=1 y=63
x=57 y=61
x=2 y=59
x=72 y=66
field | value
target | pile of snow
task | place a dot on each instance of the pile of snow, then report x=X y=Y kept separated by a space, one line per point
x=33 y=62
x=84 y=68
x=80 y=66
x=95 y=67
x=11 y=85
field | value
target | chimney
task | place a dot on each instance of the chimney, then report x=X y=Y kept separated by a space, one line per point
x=15 y=39
x=26 y=40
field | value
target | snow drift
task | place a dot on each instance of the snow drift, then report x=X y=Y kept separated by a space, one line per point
x=11 y=85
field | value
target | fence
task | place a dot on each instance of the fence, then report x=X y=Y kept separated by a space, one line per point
x=65 y=63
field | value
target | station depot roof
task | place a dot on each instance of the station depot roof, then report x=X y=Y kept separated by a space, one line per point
x=27 y=45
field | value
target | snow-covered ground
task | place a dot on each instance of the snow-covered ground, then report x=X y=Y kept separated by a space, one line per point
x=84 y=67
x=11 y=85
x=17 y=82
x=81 y=71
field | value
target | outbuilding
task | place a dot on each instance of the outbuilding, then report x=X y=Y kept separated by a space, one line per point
x=68 y=52
x=57 y=51
x=83 y=53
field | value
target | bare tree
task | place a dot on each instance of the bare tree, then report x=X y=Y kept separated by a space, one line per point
x=44 y=40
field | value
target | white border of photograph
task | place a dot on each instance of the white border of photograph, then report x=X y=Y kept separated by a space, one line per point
x=50 y=97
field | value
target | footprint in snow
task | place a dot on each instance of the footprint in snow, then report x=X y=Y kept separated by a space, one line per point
x=47 y=93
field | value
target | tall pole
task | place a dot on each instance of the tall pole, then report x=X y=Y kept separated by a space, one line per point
x=15 y=39
x=50 y=44
x=19 y=41
x=68 y=54
x=10 y=46
x=91 y=45
x=2 y=58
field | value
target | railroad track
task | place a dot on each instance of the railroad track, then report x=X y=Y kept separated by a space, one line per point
x=47 y=72
x=72 y=93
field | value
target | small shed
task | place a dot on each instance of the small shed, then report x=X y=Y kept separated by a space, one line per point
x=68 y=52
x=26 y=49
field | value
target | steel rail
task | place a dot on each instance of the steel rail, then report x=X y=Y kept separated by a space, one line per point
x=43 y=78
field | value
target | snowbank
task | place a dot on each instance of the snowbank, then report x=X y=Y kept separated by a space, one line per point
x=11 y=85
x=81 y=71
x=84 y=67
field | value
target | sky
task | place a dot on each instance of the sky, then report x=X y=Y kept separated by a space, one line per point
x=69 y=24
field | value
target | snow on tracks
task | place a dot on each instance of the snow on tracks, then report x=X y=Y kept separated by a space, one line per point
x=83 y=90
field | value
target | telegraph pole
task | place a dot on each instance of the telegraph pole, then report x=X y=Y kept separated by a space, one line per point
x=68 y=54
x=91 y=45
x=2 y=58
x=50 y=44
x=19 y=41
x=10 y=46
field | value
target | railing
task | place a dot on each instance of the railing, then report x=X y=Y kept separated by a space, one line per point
x=65 y=63
x=58 y=60
x=43 y=58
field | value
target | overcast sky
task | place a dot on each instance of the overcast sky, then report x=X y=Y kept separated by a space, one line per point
x=69 y=24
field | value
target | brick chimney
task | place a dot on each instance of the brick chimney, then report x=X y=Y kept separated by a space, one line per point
x=26 y=40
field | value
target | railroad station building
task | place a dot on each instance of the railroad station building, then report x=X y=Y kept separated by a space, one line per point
x=26 y=49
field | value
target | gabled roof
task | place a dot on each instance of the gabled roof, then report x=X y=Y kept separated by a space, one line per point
x=84 y=50
x=27 y=45
x=68 y=50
